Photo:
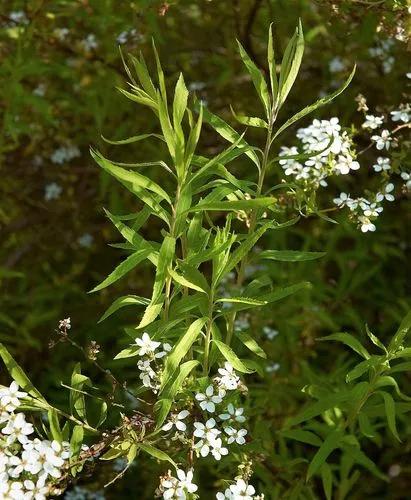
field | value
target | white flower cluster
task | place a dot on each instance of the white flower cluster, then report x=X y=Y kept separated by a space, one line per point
x=26 y=465
x=330 y=154
x=240 y=490
x=148 y=364
x=125 y=36
x=90 y=42
x=52 y=191
x=177 y=487
x=65 y=154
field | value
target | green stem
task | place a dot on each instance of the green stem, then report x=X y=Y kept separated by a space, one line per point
x=254 y=215
x=207 y=341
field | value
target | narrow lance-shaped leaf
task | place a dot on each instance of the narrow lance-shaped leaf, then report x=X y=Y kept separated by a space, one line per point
x=331 y=442
x=231 y=357
x=290 y=255
x=127 y=300
x=350 y=341
x=271 y=64
x=180 y=350
x=312 y=107
x=123 y=268
x=257 y=78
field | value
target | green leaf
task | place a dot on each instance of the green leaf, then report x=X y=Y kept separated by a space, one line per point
x=281 y=293
x=123 y=268
x=348 y=340
x=250 y=121
x=302 y=436
x=165 y=259
x=191 y=278
x=54 y=424
x=251 y=344
x=77 y=400
x=365 y=425
x=175 y=385
x=375 y=340
x=225 y=206
x=231 y=357
x=331 y=442
x=75 y=447
x=257 y=78
x=134 y=181
x=180 y=349
x=290 y=255
x=162 y=408
x=361 y=368
x=401 y=333
x=290 y=65
x=222 y=128
x=327 y=480
x=156 y=453
x=126 y=300
x=18 y=375
x=180 y=101
x=130 y=140
x=319 y=407
x=271 y=64
x=242 y=300
x=129 y=352
x=309 y=109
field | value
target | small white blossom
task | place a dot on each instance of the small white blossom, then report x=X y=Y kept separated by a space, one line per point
x=234 y=414
x=366 y=224
x=228 y=379
x=52 y=191
x=185 y=481
x=218 y=450
x=269 y=332
x=90 y=42
x=342 y=199
x=10 y=397
x=147 y=346
x=403 y=114
x=386 y=193
x=176 y=421
x=235 y=435
x=382 y=141
x=336 y=65
x=17 y=428
x=209 y=399
x=345 y=164
x=373 y=122
x=407 y=178
x=382 y=165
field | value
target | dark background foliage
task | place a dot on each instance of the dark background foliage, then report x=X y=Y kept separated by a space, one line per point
x=54 y=92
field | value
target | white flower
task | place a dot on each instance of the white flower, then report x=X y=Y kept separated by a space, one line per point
x=373 y=210
x=407 y=178
x=90 y=42
x=65 y=324
x=147 y=375
x=373 y=122
x=207 y=431
x=209 y=400
x=235 y=435
x=241 y=324
x=171 y=488
x=64 y=154
x=218 y=450
x=147 y=346
x=166 y=349
x=17 y=429
x=382 y=141
x=18 y=17
x=37 y=491
x=342 y=199
x=176 y=420
x=382 y=164
x=272 y=367
x=345 y=164
x=185 y=481
x=227 y=495
x=242 y=490
x=336 y=65
x=10 y=396
x=52 y=191
x=234 y=414
x=386 y=193
x=403 y=114
x=269 y=332
x=366 y=224
x=228 y=380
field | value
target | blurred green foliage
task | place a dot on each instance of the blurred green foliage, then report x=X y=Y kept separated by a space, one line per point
x=60 y=65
